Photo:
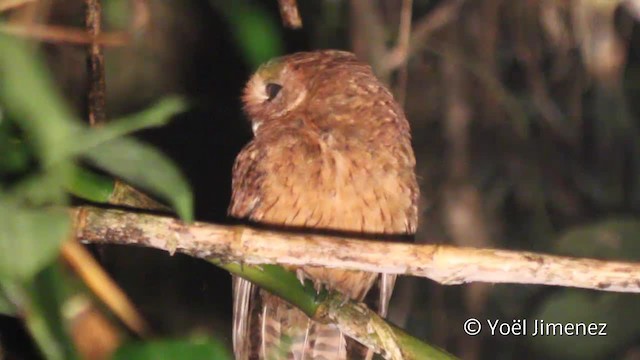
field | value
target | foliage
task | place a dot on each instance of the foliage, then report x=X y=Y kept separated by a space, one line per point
x=45 y=147
x=45 y=150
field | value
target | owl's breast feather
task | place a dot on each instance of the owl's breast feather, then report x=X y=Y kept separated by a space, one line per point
x=320 y=182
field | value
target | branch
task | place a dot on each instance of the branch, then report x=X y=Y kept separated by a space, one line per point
x=96 y=96
x=424 y=28
x=403 y=44
x=10 y=4
x=368 y=35
x=354 y=319
x=101 y=284
x=62 y=34
x=289 y=13
x=447 y=265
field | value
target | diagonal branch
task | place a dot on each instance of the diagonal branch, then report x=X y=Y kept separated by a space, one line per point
x=423 y=29
x=447 y=265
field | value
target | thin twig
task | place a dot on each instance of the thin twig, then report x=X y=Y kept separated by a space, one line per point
x=423 y=29
x=96 y=95
x=447 y=265
x=367 y=35
x=94 y=276
x=102 y=285
x=62 y=34
x=289 y=13
x=403 y=43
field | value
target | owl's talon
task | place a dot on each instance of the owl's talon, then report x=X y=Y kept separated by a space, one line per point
x=300 y=276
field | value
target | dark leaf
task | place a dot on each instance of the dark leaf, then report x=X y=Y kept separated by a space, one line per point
x=144 y=166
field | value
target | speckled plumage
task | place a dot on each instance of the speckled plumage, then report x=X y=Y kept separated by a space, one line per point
x=331 y=151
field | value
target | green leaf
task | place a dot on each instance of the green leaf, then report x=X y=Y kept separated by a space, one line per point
x=93 y=187
x=146 y=167
x=279 y=281
x=15 y=153
x=27 y=94
x=43 y=188
x=173 y=349
x=48 y=293
x=157 y=115
x=29 y=239
x=29 y=98
x=90 y=186
x=6 y=306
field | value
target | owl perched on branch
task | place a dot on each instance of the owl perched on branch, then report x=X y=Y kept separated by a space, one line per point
x=332 y=151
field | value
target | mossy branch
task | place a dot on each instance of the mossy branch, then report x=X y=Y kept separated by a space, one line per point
x=445 y=264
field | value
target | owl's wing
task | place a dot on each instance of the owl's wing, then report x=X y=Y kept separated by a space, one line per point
x=246 y=181
x=245 y=196
x=242 y=293
x=387 y=283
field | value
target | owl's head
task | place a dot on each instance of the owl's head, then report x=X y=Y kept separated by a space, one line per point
x=282 y=85
x=273 y=91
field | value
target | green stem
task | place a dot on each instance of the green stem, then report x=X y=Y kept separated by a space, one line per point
x=413 y=348
x=90 y=186
x=279 y=281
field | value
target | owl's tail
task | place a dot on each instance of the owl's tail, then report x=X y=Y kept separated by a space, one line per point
x=271 y=329
x=287 y=333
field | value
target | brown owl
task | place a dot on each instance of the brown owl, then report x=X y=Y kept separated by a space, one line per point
x=332 y=151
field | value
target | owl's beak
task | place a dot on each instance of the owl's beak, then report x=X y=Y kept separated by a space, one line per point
x=255 y=126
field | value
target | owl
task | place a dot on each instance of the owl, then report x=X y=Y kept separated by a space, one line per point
x=331 y=152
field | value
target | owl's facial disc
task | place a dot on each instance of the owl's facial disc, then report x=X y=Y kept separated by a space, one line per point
x=265 y=99
x=272 y=92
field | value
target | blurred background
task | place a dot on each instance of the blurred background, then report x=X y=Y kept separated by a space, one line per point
x=524 y=117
